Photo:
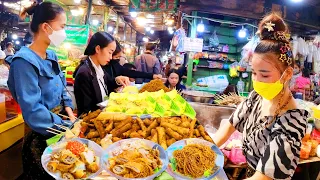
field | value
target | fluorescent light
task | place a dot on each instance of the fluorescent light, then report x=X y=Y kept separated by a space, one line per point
x=151 y=31
x=148 y=29
x=95 y=22
x=17 y=42
x=242 y=33
x=14 y=36
x=133 y=14
x=110 y=28
x=296 y=1
x=77 y=1
x=145 y=39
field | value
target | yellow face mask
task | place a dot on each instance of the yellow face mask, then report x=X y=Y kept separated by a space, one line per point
x=267 y=90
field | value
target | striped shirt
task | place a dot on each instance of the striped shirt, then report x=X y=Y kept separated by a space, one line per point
x=274 y=150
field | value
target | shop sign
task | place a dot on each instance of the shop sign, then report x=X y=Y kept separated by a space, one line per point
x=77 y=35
x=192 y=44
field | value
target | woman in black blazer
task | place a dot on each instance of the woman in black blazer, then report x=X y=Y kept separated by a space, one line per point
x=92 y=83
x=114 y=68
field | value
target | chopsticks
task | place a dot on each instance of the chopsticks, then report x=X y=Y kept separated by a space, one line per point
x=55 y=131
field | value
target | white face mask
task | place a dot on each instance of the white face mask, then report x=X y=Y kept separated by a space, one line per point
x=57 y=37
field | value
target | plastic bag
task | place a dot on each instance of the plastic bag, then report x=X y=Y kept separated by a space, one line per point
x=305 y=150
x=177 y=40
x=213 y=40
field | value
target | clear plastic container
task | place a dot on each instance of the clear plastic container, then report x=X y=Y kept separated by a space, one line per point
x=2 y=108
x=180 y=144
x=46 y=156
x=117 y=148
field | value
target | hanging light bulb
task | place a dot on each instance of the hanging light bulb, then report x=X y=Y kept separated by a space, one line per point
x=145 y=39
x=151 y=31
x=148 y=29
x=95 y=22
x=14 y=36
x=200 y=27
x=110 y=28
x=242 y=33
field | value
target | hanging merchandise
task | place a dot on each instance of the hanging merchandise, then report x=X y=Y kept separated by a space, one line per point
x=213 y=40
x=233 y=72
x=294 y=46
x=177 y=41
x=249 y=48
x=302 y=47
x=225 y=48
x=316 y=41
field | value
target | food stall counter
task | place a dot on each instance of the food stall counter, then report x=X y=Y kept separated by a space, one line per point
x=11 y=131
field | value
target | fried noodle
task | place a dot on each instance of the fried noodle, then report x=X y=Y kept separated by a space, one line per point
x=194 y=160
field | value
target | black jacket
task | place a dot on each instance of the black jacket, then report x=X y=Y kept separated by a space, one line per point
x=115 y=69
x=87 y=89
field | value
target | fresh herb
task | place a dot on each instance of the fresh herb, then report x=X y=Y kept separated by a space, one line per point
x=173 y=162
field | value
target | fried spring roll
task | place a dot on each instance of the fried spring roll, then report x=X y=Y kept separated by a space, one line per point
x=153 y=125
x=162 y=137
x=173 y=134
x=99 y=127
x=197 y=133
x=135 y=135
x=92 y=134
x=120 y=125
x=52 y=166
x=115 y=139
x=141 y=124
x=203 y=134
x=127 y=134
x=170 y=141
x=121 y=130
x=185 y=124
x=109 y=127
x=147 y=122
x=153 y=131
x=180 y=130
x=64 y=167
x=192 y=124
x=136 y=127
x=154 y=137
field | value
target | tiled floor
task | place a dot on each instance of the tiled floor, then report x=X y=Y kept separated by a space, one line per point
x=11 y=162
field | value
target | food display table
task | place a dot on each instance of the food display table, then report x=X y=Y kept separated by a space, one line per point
x=11 y=131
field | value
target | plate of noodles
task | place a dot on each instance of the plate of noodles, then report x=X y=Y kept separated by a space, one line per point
x=194 y=159
x=135 y=158
x=73 y=159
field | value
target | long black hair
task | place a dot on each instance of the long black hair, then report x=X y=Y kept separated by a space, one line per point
x=118 y=49
x=42 y=13
x=102 y=39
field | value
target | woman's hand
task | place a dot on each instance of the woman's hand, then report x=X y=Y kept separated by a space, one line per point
x=157 y=76
x=70 y=114
x=123 y=81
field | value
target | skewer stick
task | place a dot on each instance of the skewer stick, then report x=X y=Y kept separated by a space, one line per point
x=60 y=126
x=52 y=132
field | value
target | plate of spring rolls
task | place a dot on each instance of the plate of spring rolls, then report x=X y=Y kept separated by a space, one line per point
x=73 y=159
x=135 y=158
x=162 y=130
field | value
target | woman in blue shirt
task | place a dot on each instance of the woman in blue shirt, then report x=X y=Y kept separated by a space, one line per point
x=38 y=84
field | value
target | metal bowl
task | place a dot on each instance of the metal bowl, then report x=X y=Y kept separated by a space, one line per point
x=198 y=96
